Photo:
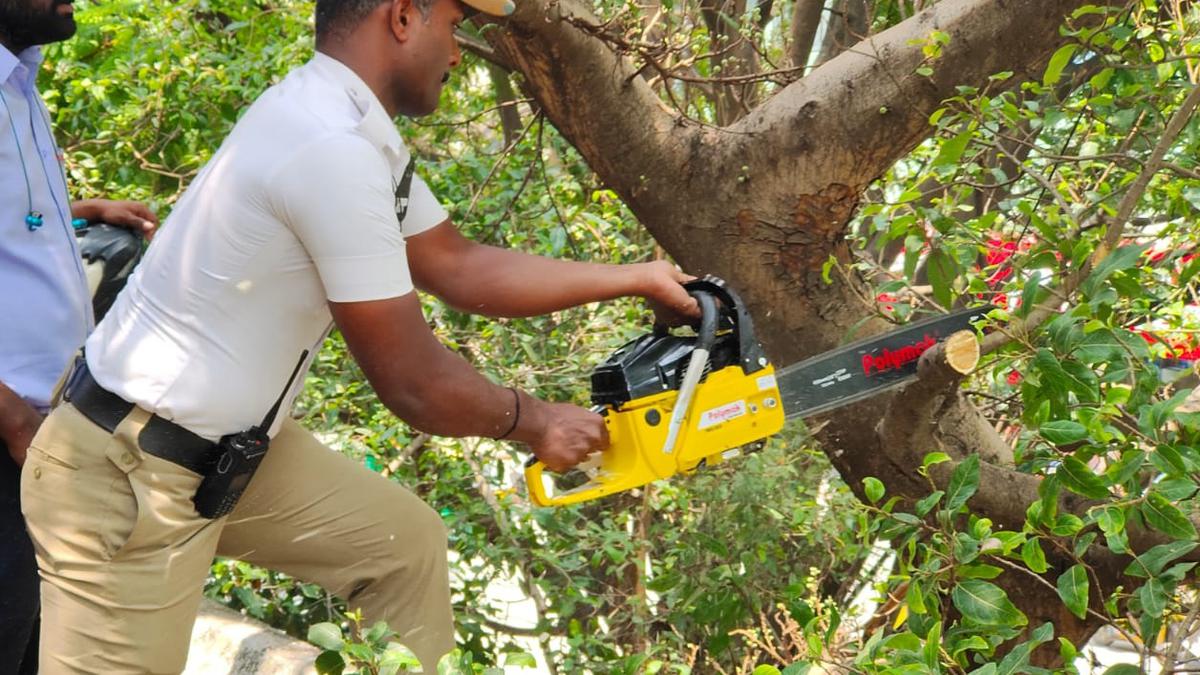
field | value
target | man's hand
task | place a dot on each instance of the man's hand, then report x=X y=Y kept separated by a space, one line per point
x=662 y=286
x=130 y=215
x=569 y=435
x=19 y=423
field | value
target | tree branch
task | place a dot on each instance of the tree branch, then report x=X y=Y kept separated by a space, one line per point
x=806 y=21
x=871 y=103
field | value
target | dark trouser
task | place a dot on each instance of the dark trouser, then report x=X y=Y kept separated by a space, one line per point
x=18 y=578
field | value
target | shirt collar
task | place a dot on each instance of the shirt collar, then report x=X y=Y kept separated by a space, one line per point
x=376 y=124
x=31 y=58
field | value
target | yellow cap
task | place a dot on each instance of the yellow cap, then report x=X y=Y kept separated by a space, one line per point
x=493 y=7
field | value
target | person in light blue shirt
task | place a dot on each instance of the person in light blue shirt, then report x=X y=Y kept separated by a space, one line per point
x=44 y=298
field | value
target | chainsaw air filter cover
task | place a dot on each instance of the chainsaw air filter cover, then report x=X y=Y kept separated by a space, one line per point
x=652 y=364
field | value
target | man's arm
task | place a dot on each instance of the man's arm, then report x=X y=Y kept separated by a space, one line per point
x=19 y=423
x=436 y=391
x=131 y=215
x=492 y=281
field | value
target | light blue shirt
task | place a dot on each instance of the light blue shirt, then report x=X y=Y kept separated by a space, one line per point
x=45 y=306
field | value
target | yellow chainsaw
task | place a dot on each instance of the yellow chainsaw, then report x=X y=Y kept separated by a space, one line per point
x=676 y=403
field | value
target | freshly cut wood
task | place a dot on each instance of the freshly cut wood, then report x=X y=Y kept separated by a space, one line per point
x=962 y=351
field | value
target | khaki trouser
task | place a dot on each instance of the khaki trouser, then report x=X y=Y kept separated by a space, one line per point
x=123 y=554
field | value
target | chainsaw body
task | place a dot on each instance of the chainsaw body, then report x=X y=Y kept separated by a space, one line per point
x=674 y=403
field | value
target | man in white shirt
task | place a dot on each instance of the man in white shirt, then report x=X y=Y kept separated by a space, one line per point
x=306 y=218
x=45 y=301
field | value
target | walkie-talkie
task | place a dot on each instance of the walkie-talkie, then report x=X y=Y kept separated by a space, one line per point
x=236 y=459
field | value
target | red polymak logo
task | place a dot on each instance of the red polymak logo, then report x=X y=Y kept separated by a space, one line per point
x=894 y=360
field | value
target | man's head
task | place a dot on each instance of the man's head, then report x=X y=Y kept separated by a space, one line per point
x=404 y=49
x=24 y=23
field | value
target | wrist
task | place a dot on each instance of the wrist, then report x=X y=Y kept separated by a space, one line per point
x=532 y=423
x=86 y=209
x=644 y=281
x=17 y=421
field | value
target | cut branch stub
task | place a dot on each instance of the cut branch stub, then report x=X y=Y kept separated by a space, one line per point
x=962 y=351
x=949 y=360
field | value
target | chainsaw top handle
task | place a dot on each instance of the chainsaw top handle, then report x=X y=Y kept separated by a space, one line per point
x=710 y=318
x=751 y=356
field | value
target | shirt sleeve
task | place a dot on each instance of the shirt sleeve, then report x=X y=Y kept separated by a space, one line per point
x=336 y=196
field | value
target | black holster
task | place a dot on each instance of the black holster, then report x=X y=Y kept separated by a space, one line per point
x=235 y=460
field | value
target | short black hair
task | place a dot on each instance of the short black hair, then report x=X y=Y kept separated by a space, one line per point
x=334 y=16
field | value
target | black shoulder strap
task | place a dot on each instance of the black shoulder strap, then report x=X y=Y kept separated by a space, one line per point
x=402 y=190
x=270 y=418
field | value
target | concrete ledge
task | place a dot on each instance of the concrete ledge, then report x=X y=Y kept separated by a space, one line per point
x=226 y=643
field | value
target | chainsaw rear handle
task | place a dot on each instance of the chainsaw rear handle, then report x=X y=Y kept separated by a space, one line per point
x=706 y=292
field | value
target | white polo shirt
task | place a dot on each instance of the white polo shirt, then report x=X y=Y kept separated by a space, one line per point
x=297 y=208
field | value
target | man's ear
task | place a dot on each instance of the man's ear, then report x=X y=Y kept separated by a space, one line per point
x=400 y=18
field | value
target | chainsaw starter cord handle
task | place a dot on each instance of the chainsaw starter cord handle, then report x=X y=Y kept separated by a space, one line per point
x=695 y=369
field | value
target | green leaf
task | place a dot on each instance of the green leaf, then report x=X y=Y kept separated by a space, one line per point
x=953 y=149
x=1029 y=294
x=1110 y=518
x=963 y=482
x=1164 y=517
x=933 y=643
x=766 y=670
x=1058 y=62
x=1152 y=562
x=326 y=636
x=986 y=604
x=1033 y=556
x=874 y=488
x=925 y=504
x=979 y=571
x=522 y=659
x=1122 y=258
x=1060 y=432
x=330 y=663
x=1153 y=595
x=942 y=272
x=1079 y=478
x=397 y=656
x=1100 y=346
x=1017 y=660
x=357 y=651
x=378 y=632
x=934 y=458
x=914 y=598
x=1083 y=381
x=1123 y=669
x=1073 y=590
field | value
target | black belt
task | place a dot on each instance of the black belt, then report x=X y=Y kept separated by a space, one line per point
x=159 y=437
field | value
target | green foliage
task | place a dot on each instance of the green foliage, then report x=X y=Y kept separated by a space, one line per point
x=1023 y=203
